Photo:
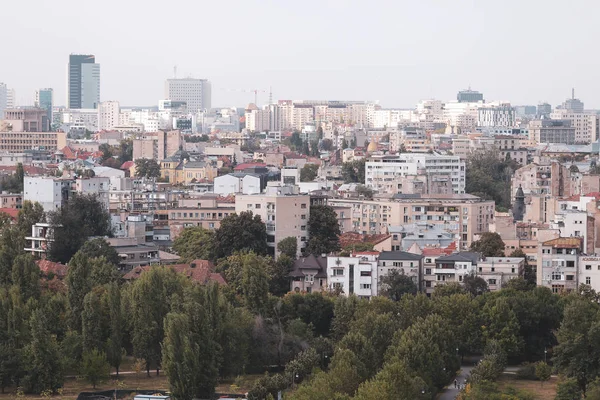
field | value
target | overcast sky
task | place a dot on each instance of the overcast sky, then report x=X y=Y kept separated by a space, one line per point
x=394 y=51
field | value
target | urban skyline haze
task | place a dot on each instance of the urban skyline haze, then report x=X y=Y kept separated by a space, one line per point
x=394 y=52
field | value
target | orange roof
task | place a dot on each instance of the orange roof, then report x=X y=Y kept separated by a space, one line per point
x=200 y=271
x=350 y=238
x=127 y=165
x=564 y=242
x=13 y=213
x=47 y=266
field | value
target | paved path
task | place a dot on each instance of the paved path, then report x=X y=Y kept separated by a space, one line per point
x=450 y=392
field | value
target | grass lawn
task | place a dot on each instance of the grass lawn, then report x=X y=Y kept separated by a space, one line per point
x=547 y=391
x=73 y=386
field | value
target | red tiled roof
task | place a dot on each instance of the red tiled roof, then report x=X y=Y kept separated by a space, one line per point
x=127 y=165
x=200 y=271
x=595 y=195
x=13 y=213
x=350 y=238
x=243 y=166
x=47 y=266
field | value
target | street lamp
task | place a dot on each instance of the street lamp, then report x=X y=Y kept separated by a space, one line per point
x=545 y=355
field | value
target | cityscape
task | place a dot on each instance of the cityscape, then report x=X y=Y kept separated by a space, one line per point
x=226 y=241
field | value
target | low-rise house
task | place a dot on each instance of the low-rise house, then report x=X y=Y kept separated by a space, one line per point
x=497 y=271
x=198 y=271
x=406 y=263
x=356 y=274
x=309 y=274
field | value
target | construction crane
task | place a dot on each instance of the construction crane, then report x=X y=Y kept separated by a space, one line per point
x=255 y=91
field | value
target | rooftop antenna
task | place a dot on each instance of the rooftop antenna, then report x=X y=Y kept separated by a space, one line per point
x=175 y=72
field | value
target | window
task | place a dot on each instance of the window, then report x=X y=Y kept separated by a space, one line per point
x=338 y=272
x=428 y=260
x=571 y=264
x=303 y=239
x=309 y=278
x=303 y=216
x=491 y=281
x=588 y=280
x=556 y=276
x=365 y=286
x=428 y=271
x=365 y=273
x=257 y=206
x=427 y=283
x=588 y=267
x=303 y=205
x=570 y=277
x=303 y=228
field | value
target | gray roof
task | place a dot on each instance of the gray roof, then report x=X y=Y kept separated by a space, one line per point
x=399 y=255
x=462 y=256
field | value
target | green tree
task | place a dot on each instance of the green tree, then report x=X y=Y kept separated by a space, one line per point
x=195 y=243
x=150 y=297
x=576 y=354
x=326 y=144
x=490 y=244
x=99 y=247
x=501 y=324
x=279 y=275
x=396 y=284
x=288 y=246
x=323 y=230
x=543 y=371
x=241 y=232
x=255 y=284
x=147 y=168
x=354 y=171
x=81 y=217
x=95 y=367
x=344 y=144
x=26 y=275
x=488 y=176
x=364 y=191
x=568 y=389
x=305 y=148
x=474 y=284
x=308 y=173
x=114 y=344
x=93 y=322
x=42 y=358
x=394 y=382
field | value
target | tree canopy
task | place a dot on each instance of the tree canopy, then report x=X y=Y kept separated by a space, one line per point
x=323 y=230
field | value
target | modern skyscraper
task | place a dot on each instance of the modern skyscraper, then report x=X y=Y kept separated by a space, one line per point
x=469 y=96
x=44 y=99
x=195 y=92
x=84 y=82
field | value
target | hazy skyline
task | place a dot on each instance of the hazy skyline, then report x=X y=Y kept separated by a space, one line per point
x=395 y=52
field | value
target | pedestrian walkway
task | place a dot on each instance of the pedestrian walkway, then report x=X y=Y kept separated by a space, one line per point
x=450 y=392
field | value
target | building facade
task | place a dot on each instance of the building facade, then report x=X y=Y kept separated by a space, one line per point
x=196 y=93
x=84 y=82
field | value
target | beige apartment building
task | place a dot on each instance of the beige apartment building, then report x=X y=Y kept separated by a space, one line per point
x=284 y=212
x=463 y=215
x=206 y=211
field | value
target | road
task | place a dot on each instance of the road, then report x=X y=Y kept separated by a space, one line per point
x=450 y=392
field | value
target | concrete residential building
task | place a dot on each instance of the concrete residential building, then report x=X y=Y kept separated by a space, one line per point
x=454 y=267
x=196 y=93
x=382 y=169
x=586 y=124
x=492 y=116
x=497 y=271
x=356 y=274
x=108 y=115
x=42 y=235
x=558 y=264
x=589 y=271
x=552 y=131
x=285 y=214
x=49 y=192
x=406 y=263
x=84 y=82
x=464 y=216
x=3 y=99
x=258 y=120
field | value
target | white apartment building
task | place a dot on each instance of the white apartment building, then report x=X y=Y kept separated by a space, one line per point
x=589 y=271
x=195 y=92
x=558 y=264
x=492 y=116
x=108 y=115
x=382 y=169
x=258 y=120
x=42 y=235
x=461 y=117
x=244 y=183
x=353 y=275
x=586 y=124
x=285 y=213
x=49 y=192
x=82 y=118
x=3 y=99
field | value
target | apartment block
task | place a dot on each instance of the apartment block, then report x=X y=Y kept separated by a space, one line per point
x=558 y=264
x=586 y=124
x=497 y=271
x=552 y=131
x=285 y=213
x=464 y=216
x=406 y=263
x=353 y=275
x=379 y=170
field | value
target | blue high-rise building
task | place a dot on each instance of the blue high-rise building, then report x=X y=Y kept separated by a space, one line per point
x=44 y=98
